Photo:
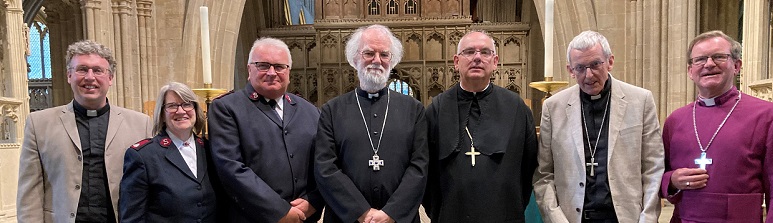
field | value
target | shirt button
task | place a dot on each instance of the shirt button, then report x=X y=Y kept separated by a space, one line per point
x=80 y=158
x=375 y=133
x=286 y=132
x=375 y=115
x=582 y=184
x=577 y=209
x=77 y=187
x=72 y=215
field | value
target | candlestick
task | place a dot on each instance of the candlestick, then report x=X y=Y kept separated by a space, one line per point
x=549 y=38
x=207 y=64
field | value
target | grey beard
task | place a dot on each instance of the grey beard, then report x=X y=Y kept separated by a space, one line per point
x=370 y=81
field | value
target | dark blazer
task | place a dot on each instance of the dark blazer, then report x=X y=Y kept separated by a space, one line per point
x=264 y=162
x=158 y=186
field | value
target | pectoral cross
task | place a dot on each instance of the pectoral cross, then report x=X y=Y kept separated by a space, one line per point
x=703 y=161
x=592 y=164
x=376 y=163
x=472 y=153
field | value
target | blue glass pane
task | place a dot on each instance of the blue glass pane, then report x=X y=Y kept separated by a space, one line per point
x=40 y=54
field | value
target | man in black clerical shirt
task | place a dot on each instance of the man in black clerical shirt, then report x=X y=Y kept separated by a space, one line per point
x=71 y=160
x=600 y=140
x=482 y=143
x=371 y=149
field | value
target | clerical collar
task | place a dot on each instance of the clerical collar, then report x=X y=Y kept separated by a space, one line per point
x=729 y=95
x=466 y=95
x=83 y=112
x=372 y=96
x=603 y=94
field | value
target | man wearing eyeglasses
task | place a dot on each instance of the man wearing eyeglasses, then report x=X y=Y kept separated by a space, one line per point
x=263 y=141
x=71 y=160
x=719 y=148
x=601 y=154
x=371 y=149
x=482 y=143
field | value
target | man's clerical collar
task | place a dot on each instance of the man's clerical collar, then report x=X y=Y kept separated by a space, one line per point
x=607 y=88
x=466 y=95
x=83 y=112
x=374 y=96
x=718 y=100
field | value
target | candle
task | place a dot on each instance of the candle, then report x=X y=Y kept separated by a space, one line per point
x=548 y=38
x=207 y=64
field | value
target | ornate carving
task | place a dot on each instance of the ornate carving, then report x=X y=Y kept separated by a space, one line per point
x=9 y=108
x=762 y=89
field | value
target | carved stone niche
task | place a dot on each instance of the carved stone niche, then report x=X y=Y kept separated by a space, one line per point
x=762 y=89
x=9 y=119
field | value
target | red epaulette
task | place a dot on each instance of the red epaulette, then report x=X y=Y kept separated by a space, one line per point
x=223 y=95
x=142 y=143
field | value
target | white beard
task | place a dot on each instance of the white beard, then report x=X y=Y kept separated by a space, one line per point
x=372 y=80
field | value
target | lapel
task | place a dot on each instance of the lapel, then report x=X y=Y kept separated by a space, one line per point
x=113 y=124
x=253 y=96
x=201 y=159
x=68 y=121
x=448 y=122
x=174 y=156
x=574 y=117
x=288 y=109
x=617 y=107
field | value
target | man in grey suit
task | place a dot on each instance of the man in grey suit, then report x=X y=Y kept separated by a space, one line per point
x=263 y=141
x=601 y=154
x=72 y=156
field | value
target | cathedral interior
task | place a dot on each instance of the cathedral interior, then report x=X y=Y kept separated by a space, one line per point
x=158 y=41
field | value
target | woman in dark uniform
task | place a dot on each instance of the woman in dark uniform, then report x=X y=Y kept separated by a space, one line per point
x=168 y=178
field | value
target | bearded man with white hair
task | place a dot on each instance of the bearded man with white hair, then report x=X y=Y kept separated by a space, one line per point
x=371 y=147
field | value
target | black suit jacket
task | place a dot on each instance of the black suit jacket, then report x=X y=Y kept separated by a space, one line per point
x=158 y=186
x=264 y=162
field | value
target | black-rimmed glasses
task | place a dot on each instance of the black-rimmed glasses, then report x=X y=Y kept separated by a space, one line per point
x=173 y=107
x=264 y=67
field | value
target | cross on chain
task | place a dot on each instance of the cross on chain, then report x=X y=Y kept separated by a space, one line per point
x=376 y=163
x=472 y=153
x=703 y=161
x=592 y=164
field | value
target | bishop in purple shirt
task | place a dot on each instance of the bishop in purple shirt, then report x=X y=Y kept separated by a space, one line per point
x=719 y=149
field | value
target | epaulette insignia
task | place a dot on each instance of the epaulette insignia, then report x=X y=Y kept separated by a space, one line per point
x=165 y=142
x=199 y=141
x=254 y=96
x=141 y=143
x=287 y=98
x=223 y=95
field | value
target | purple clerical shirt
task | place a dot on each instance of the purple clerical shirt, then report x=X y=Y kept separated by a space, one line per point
x=742 y=159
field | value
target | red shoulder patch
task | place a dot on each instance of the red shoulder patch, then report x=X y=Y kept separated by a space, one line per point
x=141 y=143
x=223 y=95
x=165 y=142
x=287 y=98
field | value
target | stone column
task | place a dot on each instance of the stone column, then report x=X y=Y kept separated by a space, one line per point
x=14 y=104
x=756 y=36
x=126 y=83
x=144 y=21
x=90 y=9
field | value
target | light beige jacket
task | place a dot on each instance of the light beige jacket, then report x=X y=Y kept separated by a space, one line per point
x=51 y=165
x=635 y=155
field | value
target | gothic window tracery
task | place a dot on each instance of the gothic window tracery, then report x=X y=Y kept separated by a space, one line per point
x=410 y=7
x=374 y=7
x=392 y=7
